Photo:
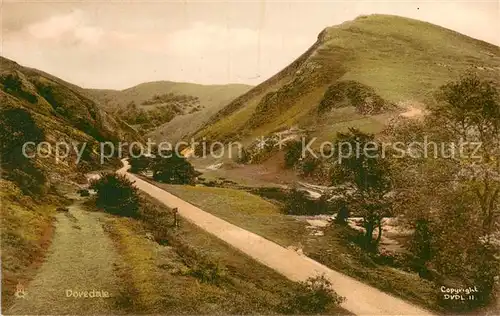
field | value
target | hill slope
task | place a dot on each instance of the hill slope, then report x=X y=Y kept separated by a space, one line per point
x=57 y=111
x=192 y=103
x=356 y=74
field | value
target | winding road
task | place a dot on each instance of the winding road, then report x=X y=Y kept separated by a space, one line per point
x=361 y=299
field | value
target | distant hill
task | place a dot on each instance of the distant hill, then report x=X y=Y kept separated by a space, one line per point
x=183 y=107
x=58 y=111
x=357 y=74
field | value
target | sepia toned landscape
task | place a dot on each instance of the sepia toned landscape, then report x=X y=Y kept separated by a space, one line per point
x=322 y=158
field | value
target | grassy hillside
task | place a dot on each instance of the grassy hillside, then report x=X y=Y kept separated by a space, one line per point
x=198 y=103
x=58 y=110
x=366 y=67
x=38 y=107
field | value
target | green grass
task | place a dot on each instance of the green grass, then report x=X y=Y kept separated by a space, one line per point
x=336 y=249
x=26 y=234
x=243 y=209
x=165 y=279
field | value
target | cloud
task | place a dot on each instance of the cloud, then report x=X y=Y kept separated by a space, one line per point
x=66 y=28
x=202 y=38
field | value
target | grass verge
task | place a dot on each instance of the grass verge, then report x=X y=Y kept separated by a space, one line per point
x=185 y=270
x=336 y=249
x=27 y=228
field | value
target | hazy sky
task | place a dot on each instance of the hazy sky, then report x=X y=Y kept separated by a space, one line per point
x=112 y=44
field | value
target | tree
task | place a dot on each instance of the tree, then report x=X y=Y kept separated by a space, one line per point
x=469 y=110
x=140 y=164
x=173 y=169
x=116 y=194
x=365 y=181
x=452 y=200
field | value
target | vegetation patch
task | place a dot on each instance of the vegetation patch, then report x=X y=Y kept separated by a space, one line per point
x=116 y=194
x=313 y=296
x=12 y=84
x=158 y=110
x=355 y=94
x=191 y=272
x=26 y=234
x=340 y=249
x=243 y=209
x=167 y=167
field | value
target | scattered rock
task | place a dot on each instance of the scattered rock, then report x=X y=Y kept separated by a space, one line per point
x=215 y=166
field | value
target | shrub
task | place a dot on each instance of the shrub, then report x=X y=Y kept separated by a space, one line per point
x=342 y=214
x=84 y=192
x=174 y=170
x=352 y=93
x=293 y=153
x=207 y=271
x=308 y=165
x=116 y=194
x=140 y=164
x=314 y=296
x=298 y=203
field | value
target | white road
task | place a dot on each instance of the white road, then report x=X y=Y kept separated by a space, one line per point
x=361 y=299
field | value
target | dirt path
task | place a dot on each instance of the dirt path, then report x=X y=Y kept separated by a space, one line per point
x=81 y=258
x=361 y=298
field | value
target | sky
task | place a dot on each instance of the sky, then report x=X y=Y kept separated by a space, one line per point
x=116 y=44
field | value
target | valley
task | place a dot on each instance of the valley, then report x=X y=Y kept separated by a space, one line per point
x=322 y=190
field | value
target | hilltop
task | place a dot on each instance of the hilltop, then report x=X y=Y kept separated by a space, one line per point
x=357 y=74
x=183 y=107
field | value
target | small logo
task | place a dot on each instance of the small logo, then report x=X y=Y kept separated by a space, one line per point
x=20 y=291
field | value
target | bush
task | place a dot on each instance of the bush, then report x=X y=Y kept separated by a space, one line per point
x=293 y=153
x=352 y=93
x=314 y=296
x=298 y=203
x=308 y=165
x=140 y=164
x=174 y=170
x=207 y=271
x=84 y=192
x=342 y=214
x=116 y=194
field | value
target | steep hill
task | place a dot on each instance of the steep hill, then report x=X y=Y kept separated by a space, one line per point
x=358 y=73
x=52 y=110
x=186 y=105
